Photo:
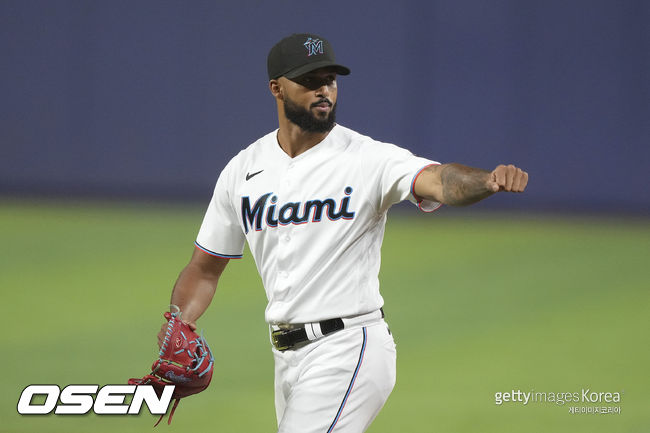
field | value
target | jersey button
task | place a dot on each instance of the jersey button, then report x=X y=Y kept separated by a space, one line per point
x=284 y=274
x=286 y=238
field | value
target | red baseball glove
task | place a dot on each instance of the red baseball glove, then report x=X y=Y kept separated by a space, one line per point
x=185 y=360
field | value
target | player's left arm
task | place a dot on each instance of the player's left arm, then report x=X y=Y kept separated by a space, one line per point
x=459 y=185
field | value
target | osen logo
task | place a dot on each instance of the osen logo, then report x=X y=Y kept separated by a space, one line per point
x=78 y=399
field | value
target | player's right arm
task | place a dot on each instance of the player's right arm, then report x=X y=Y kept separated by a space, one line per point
x=196 y=286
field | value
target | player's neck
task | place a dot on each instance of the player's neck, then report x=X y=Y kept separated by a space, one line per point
x=293 y=140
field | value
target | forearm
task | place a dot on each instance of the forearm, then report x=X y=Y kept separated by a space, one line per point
x=462 y=185
x=197 y=284
x=193 y=292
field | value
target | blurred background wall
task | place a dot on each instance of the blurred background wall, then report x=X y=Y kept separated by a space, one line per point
x=150 y=99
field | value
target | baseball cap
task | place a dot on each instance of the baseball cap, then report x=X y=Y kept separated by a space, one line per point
x=301 y=53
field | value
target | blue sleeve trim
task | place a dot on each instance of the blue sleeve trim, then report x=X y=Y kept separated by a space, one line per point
x=418 y=199
x=212 y=253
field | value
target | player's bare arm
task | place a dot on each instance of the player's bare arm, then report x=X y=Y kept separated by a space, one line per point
x=196 y=286
x=459 y=185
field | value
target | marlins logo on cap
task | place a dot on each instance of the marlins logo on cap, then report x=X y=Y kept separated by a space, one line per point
x=287 y=57
x=314 y=46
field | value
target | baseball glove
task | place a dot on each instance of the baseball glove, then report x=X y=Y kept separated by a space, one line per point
x=184 y=360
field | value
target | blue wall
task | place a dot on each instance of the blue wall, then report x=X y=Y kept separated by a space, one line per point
x=151 y=98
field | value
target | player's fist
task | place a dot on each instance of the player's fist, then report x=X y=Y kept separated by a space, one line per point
x=508 y=178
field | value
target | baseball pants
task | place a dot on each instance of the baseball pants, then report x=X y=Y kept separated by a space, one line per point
x=338 y=383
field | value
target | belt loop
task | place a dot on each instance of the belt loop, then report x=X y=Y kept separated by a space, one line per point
x=313 y=331
x=318 y=331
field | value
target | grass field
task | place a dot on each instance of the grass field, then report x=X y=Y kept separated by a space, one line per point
x=478 y=305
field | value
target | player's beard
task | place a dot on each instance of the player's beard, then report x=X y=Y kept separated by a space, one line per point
x=306 y=120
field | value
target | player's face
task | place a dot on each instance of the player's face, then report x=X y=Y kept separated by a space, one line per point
x=310 y=100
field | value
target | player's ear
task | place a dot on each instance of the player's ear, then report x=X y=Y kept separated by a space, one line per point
x=276 y=89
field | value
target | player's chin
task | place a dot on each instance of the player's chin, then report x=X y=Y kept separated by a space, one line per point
x=320 y=114
x=322 y=117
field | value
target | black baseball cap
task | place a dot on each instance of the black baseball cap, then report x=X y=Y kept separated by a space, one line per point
x=301 y=53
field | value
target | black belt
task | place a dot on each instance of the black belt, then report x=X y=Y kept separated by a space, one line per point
x=285 y=339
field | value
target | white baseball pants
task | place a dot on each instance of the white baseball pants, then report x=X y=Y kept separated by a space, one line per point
x=338 y=383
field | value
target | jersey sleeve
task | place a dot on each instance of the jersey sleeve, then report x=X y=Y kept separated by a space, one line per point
x=398 y=170
x=220 y=234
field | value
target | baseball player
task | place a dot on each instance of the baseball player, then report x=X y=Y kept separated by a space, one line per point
x=311 y=198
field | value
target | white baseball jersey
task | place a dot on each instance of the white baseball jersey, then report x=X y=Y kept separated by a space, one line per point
x=314 y=223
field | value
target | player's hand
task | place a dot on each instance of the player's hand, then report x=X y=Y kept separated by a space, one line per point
x=507 y=178
x=163 y=329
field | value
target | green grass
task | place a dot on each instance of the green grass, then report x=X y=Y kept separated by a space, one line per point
x=477 y=305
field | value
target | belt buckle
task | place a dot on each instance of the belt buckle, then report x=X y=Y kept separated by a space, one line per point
x=276 y=337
